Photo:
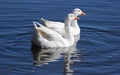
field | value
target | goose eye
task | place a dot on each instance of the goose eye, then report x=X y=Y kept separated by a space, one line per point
x=71 y=15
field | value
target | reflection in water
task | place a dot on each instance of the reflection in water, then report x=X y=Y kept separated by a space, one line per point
x=70 y=58
x=44 y=56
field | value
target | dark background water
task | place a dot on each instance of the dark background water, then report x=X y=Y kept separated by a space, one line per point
x=98 y=48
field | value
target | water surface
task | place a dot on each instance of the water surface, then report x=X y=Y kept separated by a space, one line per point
x=96 y=53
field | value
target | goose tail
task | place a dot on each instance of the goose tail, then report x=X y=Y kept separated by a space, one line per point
x=44 y=21
x=35 y=24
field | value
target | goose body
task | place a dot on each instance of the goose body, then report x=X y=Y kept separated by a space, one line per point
x=59 y=26
x=47 y=38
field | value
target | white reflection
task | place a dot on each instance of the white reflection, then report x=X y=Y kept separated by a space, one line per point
x=44 y=56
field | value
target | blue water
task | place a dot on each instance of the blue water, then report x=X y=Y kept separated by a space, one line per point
x=96 y=53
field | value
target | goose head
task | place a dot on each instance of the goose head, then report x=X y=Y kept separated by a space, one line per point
x=71 y=17
x=78 y=12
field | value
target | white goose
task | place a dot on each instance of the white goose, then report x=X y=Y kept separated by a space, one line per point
x=59 y=26
x=47 y=38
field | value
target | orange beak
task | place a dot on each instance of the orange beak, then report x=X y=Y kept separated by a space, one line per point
x=76 y=18
x=83 y=13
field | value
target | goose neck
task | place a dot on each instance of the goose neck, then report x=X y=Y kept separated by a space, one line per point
x=68 y=33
